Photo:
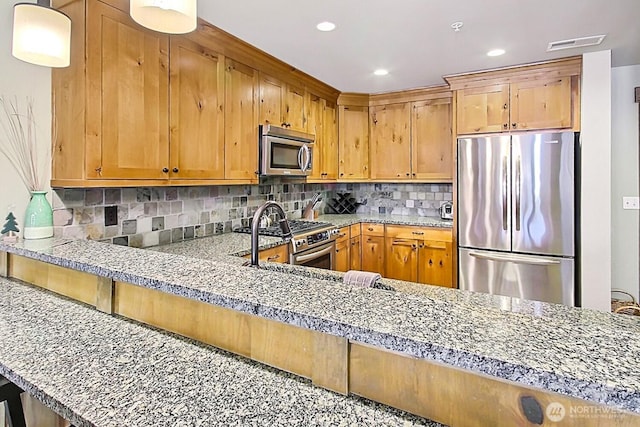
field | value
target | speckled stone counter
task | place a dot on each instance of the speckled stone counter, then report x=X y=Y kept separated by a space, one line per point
x=98 y=370
x=581 y=353
x=424 y=221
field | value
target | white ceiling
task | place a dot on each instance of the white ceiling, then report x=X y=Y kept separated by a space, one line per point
x=413 y=38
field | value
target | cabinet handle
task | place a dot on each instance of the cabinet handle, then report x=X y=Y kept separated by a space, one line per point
x=273 y=258
x=165 y=170
x=176 y=170
x=419 y=233
x=514 y=125
x=283 y=124
x=505 y=106
x=505 y=125
x=370 y=228
x=430 y=262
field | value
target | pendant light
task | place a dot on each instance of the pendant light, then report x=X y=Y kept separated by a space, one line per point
x=165 y=16
x=41 y=35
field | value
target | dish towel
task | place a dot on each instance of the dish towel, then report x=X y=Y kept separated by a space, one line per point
x=363 y=279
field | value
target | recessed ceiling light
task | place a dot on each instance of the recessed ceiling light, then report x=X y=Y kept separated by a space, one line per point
x=381 y=72
x=457 y=25
x=326 y=26
x=495 y=52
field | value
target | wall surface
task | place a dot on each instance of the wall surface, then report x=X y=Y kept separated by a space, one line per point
x=595 y=224
x=624 y=178
x=21 y=80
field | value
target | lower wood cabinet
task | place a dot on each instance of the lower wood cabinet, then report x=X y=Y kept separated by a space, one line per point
x=343 y=250
x=372 y=246
x=402 y=259
x=435 y=263
x=356 y=251
x=276 y=254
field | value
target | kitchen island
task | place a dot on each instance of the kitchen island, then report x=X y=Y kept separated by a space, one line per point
x=582 y=355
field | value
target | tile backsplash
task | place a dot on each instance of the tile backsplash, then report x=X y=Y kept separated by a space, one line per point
x=149 y=216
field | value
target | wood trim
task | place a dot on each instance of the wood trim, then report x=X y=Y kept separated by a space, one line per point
x=104 y=295
x=571 y=66
x=4 y=265
x=70 y=283
x=354 y=99
x=411 y=95
x=330 y=363
x=102 y=183
x=458 y=397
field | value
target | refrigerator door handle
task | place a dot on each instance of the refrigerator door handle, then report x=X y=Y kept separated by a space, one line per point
x=504 y=193
x=518 y=194
x=515 y=259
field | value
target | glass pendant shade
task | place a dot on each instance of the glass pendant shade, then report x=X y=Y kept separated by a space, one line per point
x=41 y=35
x=165 y=16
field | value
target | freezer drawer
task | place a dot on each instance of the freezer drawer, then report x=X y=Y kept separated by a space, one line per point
x=537 y=278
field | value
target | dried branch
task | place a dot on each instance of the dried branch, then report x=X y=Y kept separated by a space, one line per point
x=19 y=143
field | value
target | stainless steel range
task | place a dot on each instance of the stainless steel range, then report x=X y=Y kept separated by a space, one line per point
x=312 y=245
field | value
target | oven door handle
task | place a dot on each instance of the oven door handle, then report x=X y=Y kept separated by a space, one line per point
x=314 y=255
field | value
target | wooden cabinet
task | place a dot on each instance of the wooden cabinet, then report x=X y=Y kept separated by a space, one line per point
x=355 y=253
x=532 y=97
x=322 y=122
x=391 y=141
x=353 y=125
x=279 y=254
x=343 y=250
x=197 y=92
x=431 y=140
x=401 y=259
x=419 y=254
x=282 y=104
x=127 y=99
x=241 y=122
x=372 y=246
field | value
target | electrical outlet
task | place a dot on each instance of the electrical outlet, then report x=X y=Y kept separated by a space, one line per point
x=630 y=203
x=110 y=215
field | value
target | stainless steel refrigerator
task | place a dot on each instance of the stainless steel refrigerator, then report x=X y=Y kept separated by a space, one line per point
x=517 y=215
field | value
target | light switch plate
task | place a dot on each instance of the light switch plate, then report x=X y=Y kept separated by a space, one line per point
x=631 y=203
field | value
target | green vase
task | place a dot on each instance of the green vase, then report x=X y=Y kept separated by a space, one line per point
x=38 y=221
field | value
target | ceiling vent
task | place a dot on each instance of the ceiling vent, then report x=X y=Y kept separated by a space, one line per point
x=579 y=42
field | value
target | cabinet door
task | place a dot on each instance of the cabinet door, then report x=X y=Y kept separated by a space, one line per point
x=294 y=114
x=314 y=127
x=330 y=141
x=271 y=101
x=483 y=109
x=197 y=111
x=343 y=256
x=373 y=254
x=401 y=259
x=127 y=133
x=353 y=152
x=432 y=142
x=241 y=122
x=541 y=104
x=391 y=141
x=435 y=263
x=279 y=254
x=355 y=254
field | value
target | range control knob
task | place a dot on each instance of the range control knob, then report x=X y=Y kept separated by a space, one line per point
x=298 y=243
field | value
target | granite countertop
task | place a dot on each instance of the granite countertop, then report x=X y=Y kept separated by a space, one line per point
x=99 y=370
x=424 y=221
x=578 y=352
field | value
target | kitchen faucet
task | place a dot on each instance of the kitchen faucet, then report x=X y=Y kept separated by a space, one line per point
x=255 y=224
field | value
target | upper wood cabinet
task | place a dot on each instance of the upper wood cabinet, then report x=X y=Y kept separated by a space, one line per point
x=532 y=97
x=197 y=82
x=241 y=122
x=431 y=140
x=391 y=141
x=136 y=107
x=282 y=104
x=329 y=152
x=353 y=125
x=127 y=102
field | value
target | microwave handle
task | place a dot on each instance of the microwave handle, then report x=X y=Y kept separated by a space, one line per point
x=304 y=158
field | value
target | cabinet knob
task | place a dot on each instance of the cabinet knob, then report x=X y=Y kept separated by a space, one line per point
x=505 y=125
x=165 y=170
x=414 y=174
x=514 y=125
x=505 y=106
x=175 y=170
x=408 y=174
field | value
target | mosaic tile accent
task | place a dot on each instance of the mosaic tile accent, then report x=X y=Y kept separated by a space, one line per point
x=185 y=213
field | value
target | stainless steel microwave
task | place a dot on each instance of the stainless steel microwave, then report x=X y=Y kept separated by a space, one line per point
x=285 y=152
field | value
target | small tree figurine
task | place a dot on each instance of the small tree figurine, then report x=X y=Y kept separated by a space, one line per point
x=10 y=228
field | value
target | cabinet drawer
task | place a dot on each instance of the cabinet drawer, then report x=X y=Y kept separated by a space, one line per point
x=355 y=230
x=343 y=235
x=276 y=254
x=369 y=229
x=421 y=233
